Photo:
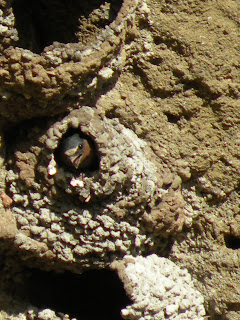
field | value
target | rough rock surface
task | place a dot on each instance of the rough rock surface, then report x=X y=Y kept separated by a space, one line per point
x=159 y=83
x=159 y=289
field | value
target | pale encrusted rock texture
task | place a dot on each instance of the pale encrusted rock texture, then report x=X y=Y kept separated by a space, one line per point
x=159 y=289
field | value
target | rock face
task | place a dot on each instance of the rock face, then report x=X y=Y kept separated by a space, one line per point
x=119 y=151
x=159 y=289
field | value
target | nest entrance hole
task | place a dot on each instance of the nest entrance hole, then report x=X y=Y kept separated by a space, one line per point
x=95 y=294
x=41 y=22
x=93 y=166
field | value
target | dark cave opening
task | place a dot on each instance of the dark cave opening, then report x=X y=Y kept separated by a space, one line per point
x=232 y=242
x=172 y=118
x=95 y=294
x=41 y=22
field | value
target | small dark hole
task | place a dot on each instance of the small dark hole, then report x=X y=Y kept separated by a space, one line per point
x=232 y=242
x=157 y=202
x=156 y=60
x=158 y=40
x=95 y=294
x=111 y=114
x=148 y=209
x=167 y=186
x=41 y=22
x=171 y=118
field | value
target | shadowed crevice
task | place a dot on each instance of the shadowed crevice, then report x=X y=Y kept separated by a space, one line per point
x=40 y=23
x=95 y=294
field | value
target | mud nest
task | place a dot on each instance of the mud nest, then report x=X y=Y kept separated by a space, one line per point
x=40 y=23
